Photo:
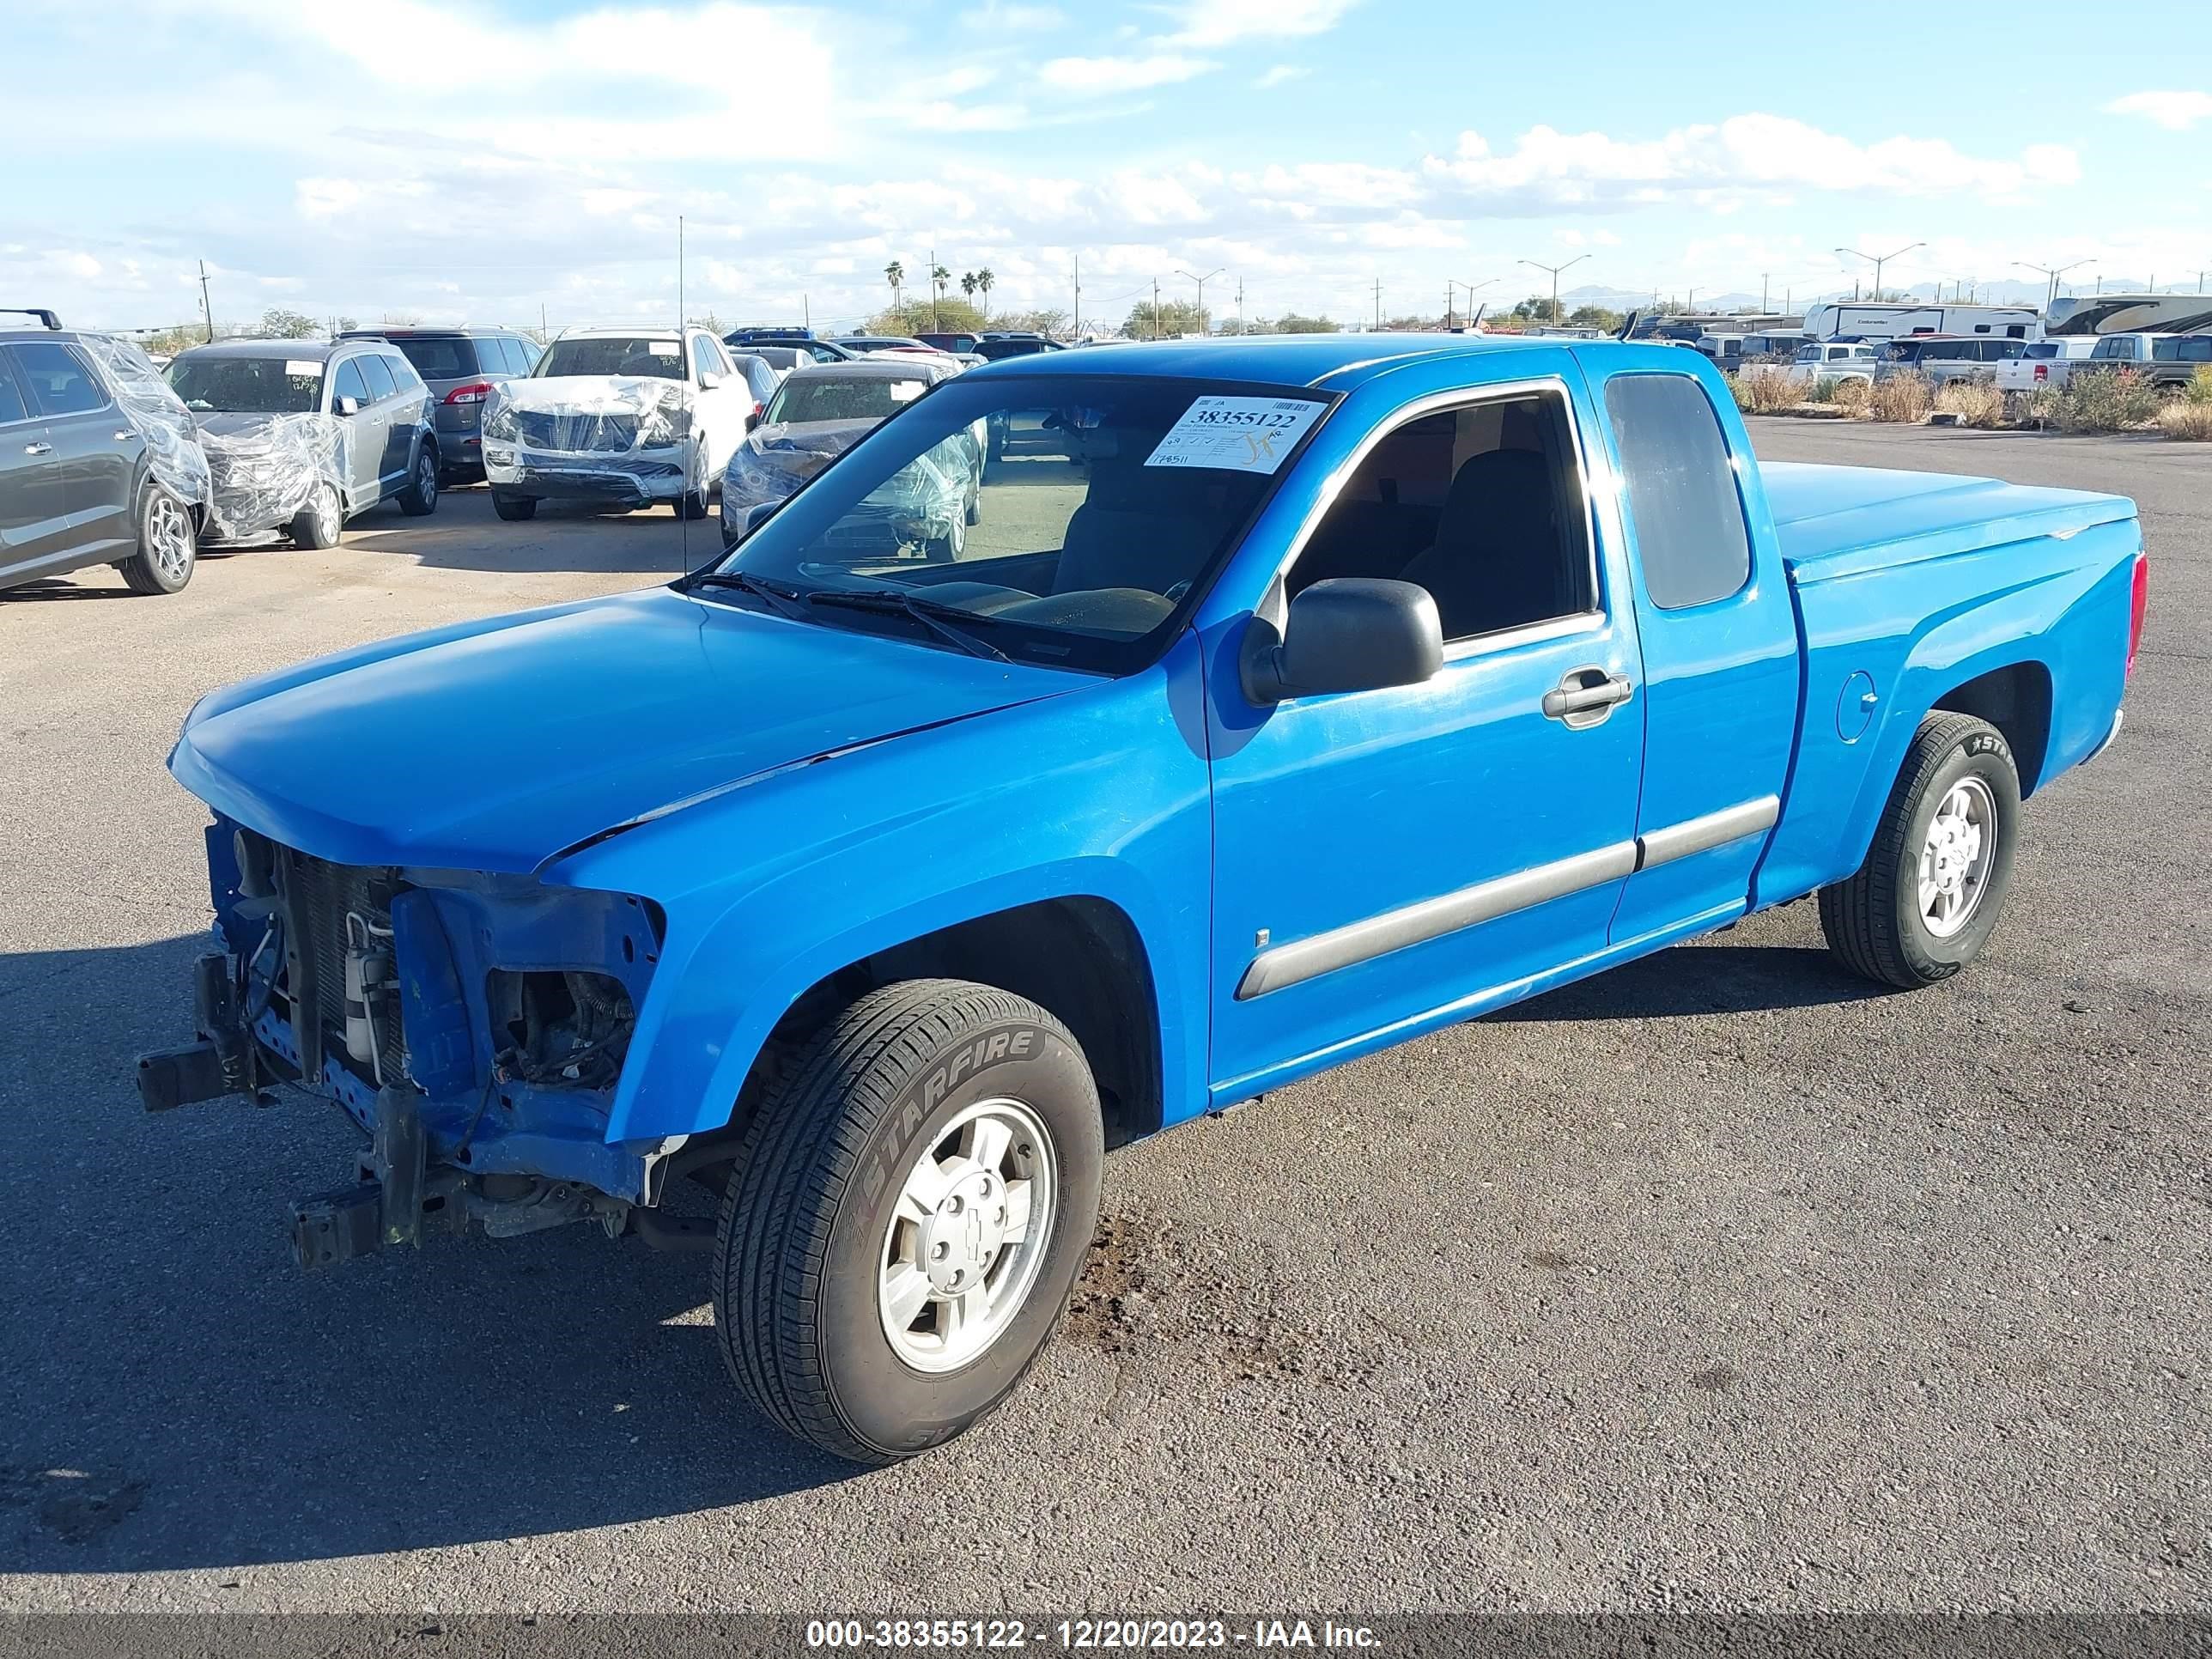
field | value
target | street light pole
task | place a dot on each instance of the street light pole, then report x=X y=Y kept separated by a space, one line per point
x=1878 y=260
x=1471 y=288
x=1555 y=270
x=1202 y=281
x=2053 y=273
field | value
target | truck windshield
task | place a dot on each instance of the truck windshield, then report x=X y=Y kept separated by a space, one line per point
x=248 y=385
x=1068 y=520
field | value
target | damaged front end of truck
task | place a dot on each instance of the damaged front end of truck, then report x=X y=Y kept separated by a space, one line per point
x=471 y=1025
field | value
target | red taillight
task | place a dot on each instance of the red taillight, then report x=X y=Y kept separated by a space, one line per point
x=2138 y=602
x=474 y=393
x=2043 y=371
x=758 y=407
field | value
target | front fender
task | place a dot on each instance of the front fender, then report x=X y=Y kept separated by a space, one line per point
x=1100 y=793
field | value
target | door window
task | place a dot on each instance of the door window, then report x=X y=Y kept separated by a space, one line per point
x=58 y=380
x=1481 y=505
x=704 y=359
x=348 y=383
x=1681 y=488
x=12 y=404
x=378 y=374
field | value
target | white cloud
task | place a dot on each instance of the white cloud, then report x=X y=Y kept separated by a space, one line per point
x=1752 y=155
x=1106 y=74
x=2177 y=112
x=1280 y=74
x=1222 y=22
x=1001 y=19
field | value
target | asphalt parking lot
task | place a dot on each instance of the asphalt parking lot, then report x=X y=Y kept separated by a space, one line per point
x=1720 y=1282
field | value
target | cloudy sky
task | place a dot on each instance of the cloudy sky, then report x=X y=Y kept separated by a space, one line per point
x=485 y=161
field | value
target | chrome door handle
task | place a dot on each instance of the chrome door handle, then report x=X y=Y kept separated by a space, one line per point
x=38 y=449
x=1586 y=696
x=125 y=436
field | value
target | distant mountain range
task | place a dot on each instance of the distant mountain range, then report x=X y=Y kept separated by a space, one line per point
x=1991 y=293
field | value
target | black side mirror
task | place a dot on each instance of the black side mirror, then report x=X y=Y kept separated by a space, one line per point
x=753 y=420
x=1347 y=634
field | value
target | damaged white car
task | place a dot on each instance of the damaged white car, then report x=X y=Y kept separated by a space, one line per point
x=623 y=417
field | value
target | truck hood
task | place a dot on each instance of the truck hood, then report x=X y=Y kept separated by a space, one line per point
x=498 y=744
x=1845 y=520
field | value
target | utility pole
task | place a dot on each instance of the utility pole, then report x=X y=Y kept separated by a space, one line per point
x=1448 y=286
x=1156 y=308
x=1378 y=302
x=1078 y=294
x=1878 y=260
x=679 y=289
x=2052 y=272
x=1202 y=281
x=206 y=309
x=1555 y=270
x=1762 y=293
x=806 y=311
x=1240 y=301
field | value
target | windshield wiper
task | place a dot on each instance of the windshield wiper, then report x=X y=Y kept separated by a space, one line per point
x=933 y=614
x=784 y=601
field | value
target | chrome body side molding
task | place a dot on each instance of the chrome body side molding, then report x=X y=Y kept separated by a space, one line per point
x=1702 y=835
x=1293 y=964
x=1393 y=930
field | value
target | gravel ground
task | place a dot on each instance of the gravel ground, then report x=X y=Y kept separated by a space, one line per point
x=1719 y=1282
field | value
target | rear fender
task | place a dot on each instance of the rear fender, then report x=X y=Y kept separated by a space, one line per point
x=2063 y=607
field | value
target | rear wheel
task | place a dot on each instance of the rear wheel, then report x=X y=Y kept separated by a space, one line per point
x=1925 y=901
x=318 y=524
x=168 y=547
x=420 y=496
x=514 y=509
x=909 y=1212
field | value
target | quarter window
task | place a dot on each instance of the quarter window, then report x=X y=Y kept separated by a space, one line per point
x=1480 y=505
x=1681 y=488
x=12 y=406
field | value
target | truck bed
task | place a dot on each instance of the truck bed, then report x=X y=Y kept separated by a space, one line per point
x=1916 y=590
x=1843 y=520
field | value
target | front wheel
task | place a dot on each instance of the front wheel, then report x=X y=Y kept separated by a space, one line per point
x=910 y=1209
x=318 y=524
x=1925 y=901
x=168 y=547
x=514 y=509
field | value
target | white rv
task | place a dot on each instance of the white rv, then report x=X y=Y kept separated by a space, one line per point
x=1896 y=319
x=2131 y=313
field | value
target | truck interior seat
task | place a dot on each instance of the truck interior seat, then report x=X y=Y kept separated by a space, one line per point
x=1496 y=559
x=1138 y=527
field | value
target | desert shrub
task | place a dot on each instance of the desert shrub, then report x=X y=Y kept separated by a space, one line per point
x=1762 y=391
x=2038 y=407
x=1977 y=403
x=2187 y=417
x=1850 y=395
x=2199 y=390
x=2106 y=402
x=1903 y=398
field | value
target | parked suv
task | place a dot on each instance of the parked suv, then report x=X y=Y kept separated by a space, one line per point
x=460 y=366
x=97 y=464
x=302 y=434
x=2168 y=361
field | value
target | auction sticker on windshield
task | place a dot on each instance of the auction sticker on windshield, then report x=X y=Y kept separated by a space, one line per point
x=1236 y=434
x=306 y=366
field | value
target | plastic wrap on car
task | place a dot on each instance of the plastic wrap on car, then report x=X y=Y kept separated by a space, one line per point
x=173 y=452
x=776 y=459
x=590 y=420
x=266 y=473
x=928 y=496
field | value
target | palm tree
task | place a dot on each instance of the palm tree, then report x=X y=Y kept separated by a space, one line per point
x=895 y=274
x=968 y=283
x=940 y=278
x=983 y=281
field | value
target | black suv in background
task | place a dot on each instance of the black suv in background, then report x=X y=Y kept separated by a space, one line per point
x=460 y=366
x=78 y=484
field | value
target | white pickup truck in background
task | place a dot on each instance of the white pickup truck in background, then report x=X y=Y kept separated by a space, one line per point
x=2044 y=363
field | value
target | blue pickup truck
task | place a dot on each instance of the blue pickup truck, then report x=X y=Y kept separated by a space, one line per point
x=1288 y=699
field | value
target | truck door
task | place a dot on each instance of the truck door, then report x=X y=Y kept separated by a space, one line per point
x=1383 y=856
x=1721 y=661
